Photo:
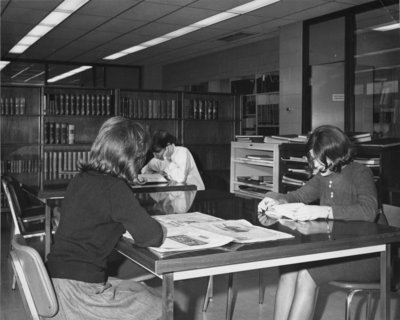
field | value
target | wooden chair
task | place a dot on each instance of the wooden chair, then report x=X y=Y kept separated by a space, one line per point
x=368 y=288
x=33 y=280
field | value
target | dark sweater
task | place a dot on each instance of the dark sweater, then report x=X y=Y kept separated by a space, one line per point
x=96 y=211
x=351 y=193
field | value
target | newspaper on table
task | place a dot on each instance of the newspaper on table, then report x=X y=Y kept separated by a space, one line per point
x=197 y=231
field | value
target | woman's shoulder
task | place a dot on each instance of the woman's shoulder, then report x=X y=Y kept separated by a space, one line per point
x=358 y=169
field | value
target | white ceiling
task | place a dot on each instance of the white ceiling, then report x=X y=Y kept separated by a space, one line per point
x=103 y=27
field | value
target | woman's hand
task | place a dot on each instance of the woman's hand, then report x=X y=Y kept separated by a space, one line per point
x=266 y=204
x=169 y=150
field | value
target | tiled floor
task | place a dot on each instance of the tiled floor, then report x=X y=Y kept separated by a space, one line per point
x=189 y=295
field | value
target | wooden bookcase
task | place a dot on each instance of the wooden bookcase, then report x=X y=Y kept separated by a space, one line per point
x=21 y=132
x=254 y=168
x=46 y=130
x=71 y=120
x=209 y=124
x=156 y=110
x=260 y=108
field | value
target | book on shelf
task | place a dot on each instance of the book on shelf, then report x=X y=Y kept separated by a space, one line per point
x=368 y=161
x=358 y=137
x=383 y=142
x=249 y=138
x=198 y=231
x=292 y=181
x=286 y=138
x=258 y=157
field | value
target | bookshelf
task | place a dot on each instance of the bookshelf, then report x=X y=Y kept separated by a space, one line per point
x=154 y=109
x=20 y=132
x=71 y=120
x=46 y=130
x=254 y=168
x=260 y=109
x=209 y=124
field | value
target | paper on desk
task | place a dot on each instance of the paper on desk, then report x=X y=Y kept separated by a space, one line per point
x=284 y=211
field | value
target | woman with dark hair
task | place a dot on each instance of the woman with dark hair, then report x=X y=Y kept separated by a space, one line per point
x=98 y=208
x=345 y=191
x=175 y=162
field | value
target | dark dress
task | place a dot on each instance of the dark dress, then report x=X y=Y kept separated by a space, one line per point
x=96 y=211
x=352 y=196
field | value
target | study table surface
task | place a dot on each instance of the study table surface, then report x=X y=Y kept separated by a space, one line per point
x=312 y=241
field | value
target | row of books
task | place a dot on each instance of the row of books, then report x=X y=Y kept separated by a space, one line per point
x=13 y=106
x=20 y=166
x=59 y=133
x=62 y=164
x=203 y=109
x=268 y=114
x=79 y=104
x=136 y=108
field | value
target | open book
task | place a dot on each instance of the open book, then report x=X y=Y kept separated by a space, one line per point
x=152 y=178
x=196 y=231
x=284 y=211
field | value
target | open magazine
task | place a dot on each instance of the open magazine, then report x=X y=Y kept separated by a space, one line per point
x=196 y=231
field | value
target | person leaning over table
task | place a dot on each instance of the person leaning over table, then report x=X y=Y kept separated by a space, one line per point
x=98 y=207
x=346 y=191
x=175 y=162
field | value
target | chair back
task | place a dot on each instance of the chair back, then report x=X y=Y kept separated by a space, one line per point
x=12 y=199
x=33 y=279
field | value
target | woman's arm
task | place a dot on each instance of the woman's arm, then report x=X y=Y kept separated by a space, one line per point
x=365 y=206
x=178 y=168
x=126 y=209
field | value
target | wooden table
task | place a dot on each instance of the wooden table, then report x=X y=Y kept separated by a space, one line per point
x=345 y=239
x=52 y=197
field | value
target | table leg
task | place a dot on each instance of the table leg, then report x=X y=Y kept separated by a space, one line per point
x=385 y=283
x=168 y=296
x=47 y=227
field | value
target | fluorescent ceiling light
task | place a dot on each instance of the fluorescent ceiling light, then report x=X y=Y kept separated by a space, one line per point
x=68 y=74
x=54 y=18
x=39 y=31
x=250 y=6
x=387 y=27
x=155 y=41
x=180 y=32
x=3 y=64
x=214 y=19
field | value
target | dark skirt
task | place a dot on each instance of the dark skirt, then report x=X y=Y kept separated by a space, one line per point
x=355 y=269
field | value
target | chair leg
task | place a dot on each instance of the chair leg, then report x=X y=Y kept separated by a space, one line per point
x=229 y=299
x=349 y=298
x=261 y=289
x=367 y=306
x=14 y=282
x=209 y=293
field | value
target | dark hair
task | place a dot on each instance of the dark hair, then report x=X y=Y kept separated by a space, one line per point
x=119 y=149
x=161 y=139
x=330 y=142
